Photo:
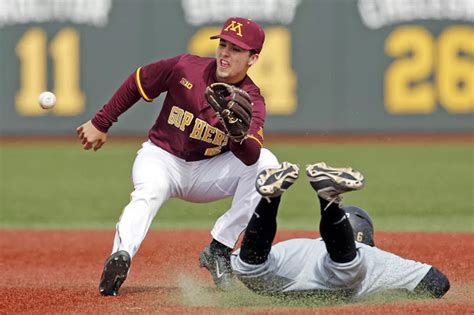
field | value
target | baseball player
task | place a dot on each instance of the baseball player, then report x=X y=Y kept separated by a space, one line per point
x=334 y=265
x=198 y=149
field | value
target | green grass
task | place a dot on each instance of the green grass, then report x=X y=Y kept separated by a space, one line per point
x=409 y=187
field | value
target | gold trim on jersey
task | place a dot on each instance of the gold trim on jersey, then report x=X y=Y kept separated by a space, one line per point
x=140 y=88
x=213 y=151
x=256 y=139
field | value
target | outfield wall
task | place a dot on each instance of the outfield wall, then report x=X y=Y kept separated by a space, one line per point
x=327 y=66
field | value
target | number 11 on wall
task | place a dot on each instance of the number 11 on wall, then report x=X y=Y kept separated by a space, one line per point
x=64 y=51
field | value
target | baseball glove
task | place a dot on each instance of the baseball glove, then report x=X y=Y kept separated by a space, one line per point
x=233 y=106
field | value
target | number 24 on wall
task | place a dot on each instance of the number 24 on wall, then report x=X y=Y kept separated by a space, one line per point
x=449 y=60
x=32 y=53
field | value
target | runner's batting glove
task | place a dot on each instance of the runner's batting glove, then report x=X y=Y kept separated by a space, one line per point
x=233 y=106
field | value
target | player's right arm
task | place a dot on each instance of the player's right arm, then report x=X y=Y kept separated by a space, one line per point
x=90 y=136
x=146 y=82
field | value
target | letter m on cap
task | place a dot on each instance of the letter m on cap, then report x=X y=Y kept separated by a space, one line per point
x=235 y=27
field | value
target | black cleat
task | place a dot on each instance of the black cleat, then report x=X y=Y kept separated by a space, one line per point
x=115 y=272
x=329 y=182
x=218 y=265
x=272 y=182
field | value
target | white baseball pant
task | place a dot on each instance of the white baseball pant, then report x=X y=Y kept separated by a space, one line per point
x=158 y=175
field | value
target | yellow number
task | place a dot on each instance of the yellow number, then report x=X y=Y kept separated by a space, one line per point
x=449 y=62
x=65 y=53
x=455 y=73
x=31 y=50
x=272 y=73
x=201 y=45
x=360 y=236
x=406 y=89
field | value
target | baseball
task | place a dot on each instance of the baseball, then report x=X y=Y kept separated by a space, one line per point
x=47 y=100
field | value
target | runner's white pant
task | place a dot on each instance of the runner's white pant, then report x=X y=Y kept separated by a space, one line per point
x=304 y=265
x=159 y=175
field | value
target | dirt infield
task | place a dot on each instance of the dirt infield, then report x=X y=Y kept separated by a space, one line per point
x=58 y=272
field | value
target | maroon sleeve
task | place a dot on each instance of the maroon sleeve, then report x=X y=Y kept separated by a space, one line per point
x=152 y=79
x=147 y=82
x=249 y=150
x=126 y=95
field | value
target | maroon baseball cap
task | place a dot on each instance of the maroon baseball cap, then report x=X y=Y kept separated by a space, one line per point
x=242 y=32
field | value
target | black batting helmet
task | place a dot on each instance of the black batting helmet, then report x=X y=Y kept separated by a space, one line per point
x=361 y=224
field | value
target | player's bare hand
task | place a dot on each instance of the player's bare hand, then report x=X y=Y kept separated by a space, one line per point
x=90 y=136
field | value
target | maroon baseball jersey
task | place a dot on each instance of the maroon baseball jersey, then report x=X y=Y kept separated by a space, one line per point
x=187 y=126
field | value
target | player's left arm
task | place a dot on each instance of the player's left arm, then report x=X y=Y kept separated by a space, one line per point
x=248 y=150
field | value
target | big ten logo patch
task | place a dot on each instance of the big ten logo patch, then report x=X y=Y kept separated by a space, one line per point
x=184 y=82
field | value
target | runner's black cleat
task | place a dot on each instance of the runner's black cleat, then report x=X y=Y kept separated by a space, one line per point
x=218 y=265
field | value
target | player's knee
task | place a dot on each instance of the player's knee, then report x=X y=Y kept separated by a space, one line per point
x=435 y=283
x=150 y=194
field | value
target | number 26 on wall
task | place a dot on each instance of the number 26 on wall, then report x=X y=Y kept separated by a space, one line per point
x=32 y=53
x=419 y=56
